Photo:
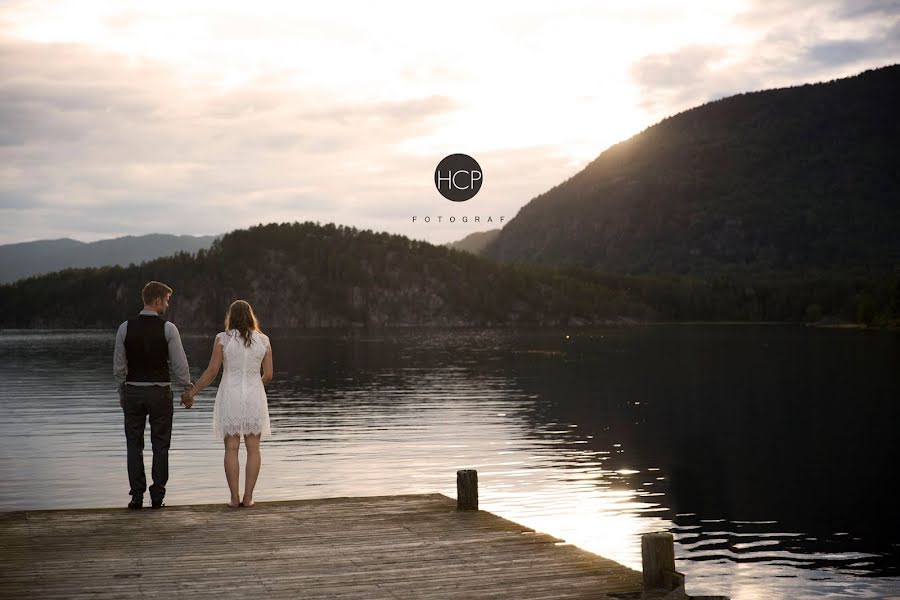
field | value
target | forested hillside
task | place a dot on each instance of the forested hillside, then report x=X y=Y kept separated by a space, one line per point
x=775 y=183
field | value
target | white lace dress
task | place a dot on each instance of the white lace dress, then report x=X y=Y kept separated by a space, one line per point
x=241 y=405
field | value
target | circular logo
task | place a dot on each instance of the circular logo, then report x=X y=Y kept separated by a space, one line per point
x=458 y=177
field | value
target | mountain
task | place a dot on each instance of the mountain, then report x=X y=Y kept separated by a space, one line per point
x=43 y=256
x=474 y=242
x=311 y=275
x=307 y=274
x=794 y=180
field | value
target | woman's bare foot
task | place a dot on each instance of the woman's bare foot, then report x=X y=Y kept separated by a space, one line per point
x=248 y=502
x=235 y=503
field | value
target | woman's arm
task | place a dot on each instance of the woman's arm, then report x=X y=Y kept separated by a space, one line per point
x=215 y=363
x=268 y=373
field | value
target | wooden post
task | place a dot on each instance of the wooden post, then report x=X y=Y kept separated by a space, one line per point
x=658 y=558
x=467 y=489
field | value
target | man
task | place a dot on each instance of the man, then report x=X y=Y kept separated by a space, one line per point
x=147 y=346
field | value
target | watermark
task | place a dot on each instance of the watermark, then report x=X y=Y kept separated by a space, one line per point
x=458 y=177
x=463 y=219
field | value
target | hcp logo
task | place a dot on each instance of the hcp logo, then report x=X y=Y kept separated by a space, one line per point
x=458 y=177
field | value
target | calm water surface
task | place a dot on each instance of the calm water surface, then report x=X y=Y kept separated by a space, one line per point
x=768 y=451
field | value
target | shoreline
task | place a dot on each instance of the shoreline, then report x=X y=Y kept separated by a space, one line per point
x=583 y=324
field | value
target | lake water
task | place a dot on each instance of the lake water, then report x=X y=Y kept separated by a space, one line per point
x=769 y=451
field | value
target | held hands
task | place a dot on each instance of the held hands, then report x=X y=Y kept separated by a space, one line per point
x=187 y=398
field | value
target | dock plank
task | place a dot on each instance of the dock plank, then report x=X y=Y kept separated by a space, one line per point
x=411 y=546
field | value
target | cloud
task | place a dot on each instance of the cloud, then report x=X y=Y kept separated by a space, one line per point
x=99 y=143
x=679 y=78
x=279 y=111
x=884 y=44
x=861 y=8
x=792 y=43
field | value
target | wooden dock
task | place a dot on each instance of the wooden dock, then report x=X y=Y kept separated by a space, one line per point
x=425 y=546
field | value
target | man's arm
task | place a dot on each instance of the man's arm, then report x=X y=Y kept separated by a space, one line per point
x=120 y=362
x=177 y=359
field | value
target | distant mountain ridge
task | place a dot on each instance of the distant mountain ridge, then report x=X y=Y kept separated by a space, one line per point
x=44 y=256
x=786 y=180
x=312 y=275
x=475 y=242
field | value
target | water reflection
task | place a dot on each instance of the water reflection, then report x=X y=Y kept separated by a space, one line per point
x=739 y=440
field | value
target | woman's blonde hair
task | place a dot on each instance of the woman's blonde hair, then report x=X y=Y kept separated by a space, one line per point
x=240 y=316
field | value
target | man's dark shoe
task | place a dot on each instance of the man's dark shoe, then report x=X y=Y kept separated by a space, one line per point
x=136 y=502
x=157 y=504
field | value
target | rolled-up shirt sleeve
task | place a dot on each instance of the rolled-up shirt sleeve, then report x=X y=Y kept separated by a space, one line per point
x=178 y=364
x=120 y=362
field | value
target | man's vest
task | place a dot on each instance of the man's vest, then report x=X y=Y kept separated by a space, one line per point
x=146 y=349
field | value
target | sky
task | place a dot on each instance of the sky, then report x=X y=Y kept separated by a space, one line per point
x=125 y=118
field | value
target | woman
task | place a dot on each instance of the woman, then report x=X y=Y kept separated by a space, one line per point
x=241 y=406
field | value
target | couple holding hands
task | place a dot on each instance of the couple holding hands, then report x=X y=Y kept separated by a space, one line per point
x=146 y=347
